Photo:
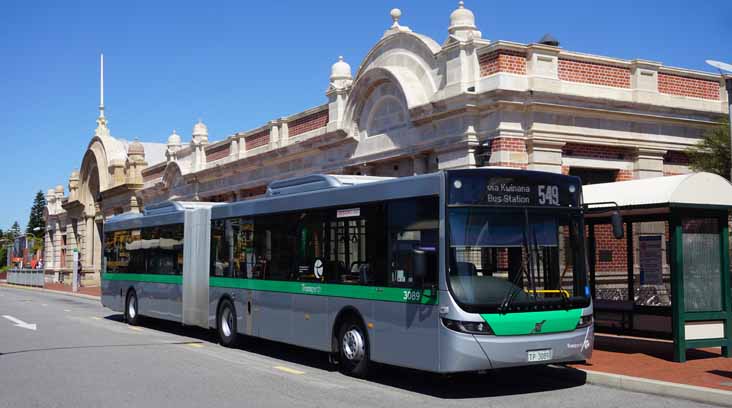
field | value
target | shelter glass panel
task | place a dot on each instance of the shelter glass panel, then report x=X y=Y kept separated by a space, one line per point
x=702 y=265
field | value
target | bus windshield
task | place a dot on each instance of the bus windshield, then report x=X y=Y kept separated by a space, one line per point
x=517 y=259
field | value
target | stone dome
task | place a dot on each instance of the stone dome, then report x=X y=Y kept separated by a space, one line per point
x=462 y=18
x=136 y=148
x=50 y=192
x=199 y=129
x=174 y=139
x=59 y=189
x=340 y=70
x=74 y=175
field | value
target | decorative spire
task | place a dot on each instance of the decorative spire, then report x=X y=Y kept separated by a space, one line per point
x=462 y=25
x=395 y=14
x=102 y=129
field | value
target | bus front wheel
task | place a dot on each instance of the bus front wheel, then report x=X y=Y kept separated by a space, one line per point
x=227 y=324
x=132 y=311
x=353 y=349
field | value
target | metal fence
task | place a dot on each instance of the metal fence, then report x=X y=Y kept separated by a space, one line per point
x=27 y=277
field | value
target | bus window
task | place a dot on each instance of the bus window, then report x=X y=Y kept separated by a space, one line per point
x=151 y=250
x=342 y=246
x=312 y=262
x=413 y=224
x=274 y=246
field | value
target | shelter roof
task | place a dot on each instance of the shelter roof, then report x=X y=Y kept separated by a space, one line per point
x=701 y=190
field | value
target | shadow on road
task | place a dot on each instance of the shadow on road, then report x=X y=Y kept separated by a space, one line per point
x=503 y=382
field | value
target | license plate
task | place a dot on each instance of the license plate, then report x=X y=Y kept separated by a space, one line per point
x=539 y=355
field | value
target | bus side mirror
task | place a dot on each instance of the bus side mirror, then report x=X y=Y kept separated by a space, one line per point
x=419 y=265
x=617 y=220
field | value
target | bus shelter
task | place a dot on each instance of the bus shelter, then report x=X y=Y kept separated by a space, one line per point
x=669 y=276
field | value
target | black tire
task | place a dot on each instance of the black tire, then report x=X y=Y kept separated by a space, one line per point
x=226 y=324
x=132 y=308
x=353 y=348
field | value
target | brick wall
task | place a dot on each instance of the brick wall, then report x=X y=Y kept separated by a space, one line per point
x=218 y=153
x=157 y=173
x=683 y=86
x=252 y=192
x=502 y=61
x=594 y=73
x=508 y=144
x=624 y=175
x=597 y=152
x=257 y=139
x=307 y=123
x=605 y=241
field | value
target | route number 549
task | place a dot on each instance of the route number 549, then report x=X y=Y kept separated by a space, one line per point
x=548 y=195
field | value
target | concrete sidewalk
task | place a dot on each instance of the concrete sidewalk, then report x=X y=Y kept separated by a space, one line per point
x=93 y=292
x=646 y=365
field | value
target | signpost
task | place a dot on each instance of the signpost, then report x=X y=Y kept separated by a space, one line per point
x=75 y=269
x=723 y=66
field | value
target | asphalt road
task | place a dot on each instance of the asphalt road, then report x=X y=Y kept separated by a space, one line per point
x=82 y=355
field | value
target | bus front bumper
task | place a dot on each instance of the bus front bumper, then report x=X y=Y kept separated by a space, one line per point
x=465 y=352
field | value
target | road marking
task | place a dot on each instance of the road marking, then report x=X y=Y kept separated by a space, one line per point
x=44 y=304
x=67 y=310
x=96 y=318
x=195 y=345
x=135 y=328
x=20 y=323
x=289 y=370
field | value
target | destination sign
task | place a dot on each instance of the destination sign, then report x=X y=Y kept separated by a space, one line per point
x=512 y=188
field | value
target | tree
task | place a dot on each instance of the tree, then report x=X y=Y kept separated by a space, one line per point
x=14 y=231
x=712 y=153
x=36 y=214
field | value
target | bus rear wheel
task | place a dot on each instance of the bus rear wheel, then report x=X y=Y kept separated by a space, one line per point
x=226 y=324
x=353 y=348
x=132 y=311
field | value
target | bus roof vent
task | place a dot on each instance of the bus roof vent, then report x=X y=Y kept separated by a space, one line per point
x=168 y=207
x=316 y=182
x=165 y=207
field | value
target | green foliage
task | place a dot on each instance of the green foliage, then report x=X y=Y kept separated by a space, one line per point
x=36 y=215
x=14 y=231
x=712 y=153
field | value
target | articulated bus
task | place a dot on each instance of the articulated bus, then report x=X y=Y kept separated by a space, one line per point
x=459 y=270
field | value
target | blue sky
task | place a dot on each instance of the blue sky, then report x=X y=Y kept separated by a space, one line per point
x=237 y=64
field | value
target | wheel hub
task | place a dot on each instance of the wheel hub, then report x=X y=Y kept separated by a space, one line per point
x=353 y=345
x=131 y=309
x=226 y=321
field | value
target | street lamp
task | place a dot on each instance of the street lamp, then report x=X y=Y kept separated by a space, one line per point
x=723 y=66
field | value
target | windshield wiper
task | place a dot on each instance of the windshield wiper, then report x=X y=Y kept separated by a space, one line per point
x=525 y=268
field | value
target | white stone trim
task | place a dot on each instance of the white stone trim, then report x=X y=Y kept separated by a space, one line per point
x=597 y=163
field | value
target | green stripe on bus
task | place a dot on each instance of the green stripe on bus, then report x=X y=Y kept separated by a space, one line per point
x=550 y=321
x=142 y=277
x=405 y=295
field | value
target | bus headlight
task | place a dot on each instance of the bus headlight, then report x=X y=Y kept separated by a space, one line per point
x=585 y=321
x=467 y=327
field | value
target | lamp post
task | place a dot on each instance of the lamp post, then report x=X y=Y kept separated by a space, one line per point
x=723 y=66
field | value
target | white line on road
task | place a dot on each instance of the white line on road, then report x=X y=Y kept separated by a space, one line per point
x=44 y=304
x=289 y=370
x=67 y=310
x=20 y=323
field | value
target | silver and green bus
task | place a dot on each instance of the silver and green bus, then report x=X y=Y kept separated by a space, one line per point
x=453 y=271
